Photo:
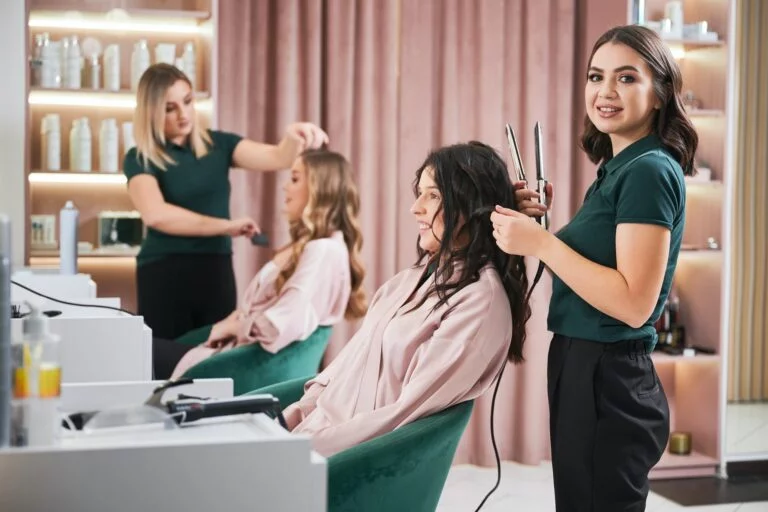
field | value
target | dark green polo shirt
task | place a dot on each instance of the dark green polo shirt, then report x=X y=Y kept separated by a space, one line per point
x=200 y=185
x=643 y=184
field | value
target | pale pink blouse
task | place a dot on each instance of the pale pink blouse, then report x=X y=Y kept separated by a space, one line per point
x=401 y=365
x=316 y=294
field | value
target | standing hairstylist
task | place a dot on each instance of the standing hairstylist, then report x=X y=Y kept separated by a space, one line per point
x=613 y=266
x=178 y=179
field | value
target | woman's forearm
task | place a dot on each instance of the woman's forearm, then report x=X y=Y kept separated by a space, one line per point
x=175 y=220
x=604 y=288
x=287 y=151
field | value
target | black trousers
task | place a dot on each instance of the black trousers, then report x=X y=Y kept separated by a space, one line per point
x=609 y=424
x=180 y=293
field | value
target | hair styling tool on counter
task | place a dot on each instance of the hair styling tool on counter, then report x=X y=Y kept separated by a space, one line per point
x=186 y=409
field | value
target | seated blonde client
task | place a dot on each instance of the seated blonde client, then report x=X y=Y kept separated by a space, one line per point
x=437 y=333
x=315 y=280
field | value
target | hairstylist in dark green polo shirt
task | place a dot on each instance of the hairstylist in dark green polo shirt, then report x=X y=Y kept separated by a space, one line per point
x=178 y=179
x=612 y=268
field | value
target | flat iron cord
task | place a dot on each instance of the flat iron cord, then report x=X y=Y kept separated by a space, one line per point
x=536 y=279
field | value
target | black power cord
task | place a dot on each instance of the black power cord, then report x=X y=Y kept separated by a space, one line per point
x=536 y=279
x=97 y=306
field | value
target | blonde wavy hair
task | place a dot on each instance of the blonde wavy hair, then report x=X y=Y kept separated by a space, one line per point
x=149 y=117
x=333 y=205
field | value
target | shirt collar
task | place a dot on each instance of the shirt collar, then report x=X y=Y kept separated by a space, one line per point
x=637 y=148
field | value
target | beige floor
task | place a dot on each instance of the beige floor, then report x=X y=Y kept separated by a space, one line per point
x=529 y=489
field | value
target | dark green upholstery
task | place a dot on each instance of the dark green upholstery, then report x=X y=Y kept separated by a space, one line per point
x=251 y=367
x=404 y=470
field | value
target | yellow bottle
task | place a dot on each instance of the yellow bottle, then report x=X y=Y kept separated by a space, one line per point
x=36 y=384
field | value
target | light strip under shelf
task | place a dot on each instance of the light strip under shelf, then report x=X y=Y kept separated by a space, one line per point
x=83 y=98
x=77 y=178
x=117 y=21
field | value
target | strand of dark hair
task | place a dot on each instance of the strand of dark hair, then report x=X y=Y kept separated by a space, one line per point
x=472 y=179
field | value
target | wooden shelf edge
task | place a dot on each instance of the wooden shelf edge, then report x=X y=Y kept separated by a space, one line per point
x=705 y=112
x=96 y=253
x=160 y=14
x=660 y=357
x=684 y=466
x=199 y=95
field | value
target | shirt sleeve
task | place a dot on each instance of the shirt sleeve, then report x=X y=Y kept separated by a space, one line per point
x=650 y=193
x=458 y=362
x=225 y=142
x=133 y=165
x=318 y=288
x=297 y=412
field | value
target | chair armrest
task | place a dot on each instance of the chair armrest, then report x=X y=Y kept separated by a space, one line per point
x=287 y=392
x=195 y=336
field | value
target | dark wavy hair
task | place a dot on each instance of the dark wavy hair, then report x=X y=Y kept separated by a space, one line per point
x=671 y=124
x=472 y=179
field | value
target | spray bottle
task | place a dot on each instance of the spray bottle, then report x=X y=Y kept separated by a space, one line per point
x=36 y=383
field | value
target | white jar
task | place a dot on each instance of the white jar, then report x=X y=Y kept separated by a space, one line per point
x=73 y=64
x=139 y=62
x=51 y=63
x=80 y=145
x=108 y=145
x=190 y=63
x=50 y=131
x=128 y=141
x=112 y=68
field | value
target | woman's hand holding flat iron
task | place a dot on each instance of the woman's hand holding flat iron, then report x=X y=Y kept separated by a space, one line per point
x=528 y=200
x=517 y=233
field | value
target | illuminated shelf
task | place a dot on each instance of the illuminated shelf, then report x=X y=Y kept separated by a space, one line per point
x=164 y=22
x=87 y=98
x=705 y=112
x=693 y=44
x=661 y=357
x=75 y=177
x=99 y=252
x=695 y=464
x=702 y=183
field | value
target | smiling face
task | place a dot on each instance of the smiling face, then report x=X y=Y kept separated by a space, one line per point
x=179 y=112
x=296 y=191
x=619 y=94
x=428 y=212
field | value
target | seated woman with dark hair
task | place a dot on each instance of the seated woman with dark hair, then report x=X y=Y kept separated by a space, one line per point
x=314 y=280
x=438 y=333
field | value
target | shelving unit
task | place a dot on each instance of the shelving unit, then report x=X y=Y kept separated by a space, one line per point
x=693 y=384
x=121 y=22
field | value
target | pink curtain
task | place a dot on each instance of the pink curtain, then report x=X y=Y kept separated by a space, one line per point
x=389 y=80
x=467 y=68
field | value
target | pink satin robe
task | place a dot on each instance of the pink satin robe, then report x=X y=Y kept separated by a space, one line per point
x=316 y=294
x=401 y=366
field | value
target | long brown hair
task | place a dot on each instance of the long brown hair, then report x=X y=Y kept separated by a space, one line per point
x=149 y=117
x=671 y=124
x=472 y=179
x=333 y=205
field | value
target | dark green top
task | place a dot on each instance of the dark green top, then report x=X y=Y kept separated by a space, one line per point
x=200 y=185
x=643 y=184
